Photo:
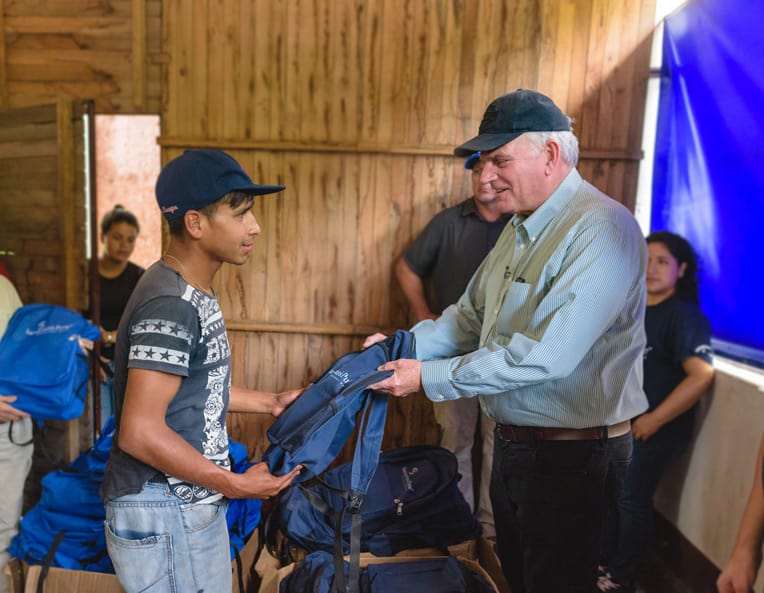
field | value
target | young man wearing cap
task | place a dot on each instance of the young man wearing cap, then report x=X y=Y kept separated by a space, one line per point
x=549 y=335
x=168 y=477
x=433 y=273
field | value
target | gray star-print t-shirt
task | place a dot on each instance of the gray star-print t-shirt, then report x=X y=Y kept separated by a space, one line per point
x=171 y=327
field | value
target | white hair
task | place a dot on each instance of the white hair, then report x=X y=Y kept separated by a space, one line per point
x=565 y=139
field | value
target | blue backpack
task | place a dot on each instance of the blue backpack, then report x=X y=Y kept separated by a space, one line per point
x=413 y=502
x=243 y=515
x=42 y=362
x=317 y=573
x=65 y=528
x=314 y=429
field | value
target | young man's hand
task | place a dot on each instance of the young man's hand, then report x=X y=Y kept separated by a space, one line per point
x=373 y=339
x=258 y=482
x=282 y=400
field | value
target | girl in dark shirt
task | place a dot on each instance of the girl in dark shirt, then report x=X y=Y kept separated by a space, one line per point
x=117 y=277
x=677 y=371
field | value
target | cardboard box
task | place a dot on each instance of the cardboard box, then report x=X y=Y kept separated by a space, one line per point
x=490 y=562
x=367 y=559
x=61 y=580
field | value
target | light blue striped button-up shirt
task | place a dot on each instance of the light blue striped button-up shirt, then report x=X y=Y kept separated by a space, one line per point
x=550 y=330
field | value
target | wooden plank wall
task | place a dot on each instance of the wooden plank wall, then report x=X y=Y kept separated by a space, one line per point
x=356 y=106
x=41 y=197
x=104 y=50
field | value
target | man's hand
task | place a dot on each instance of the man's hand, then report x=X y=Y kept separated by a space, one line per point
x=258 y=482
x=373 y=339
x=406 y=379
x=7 y=412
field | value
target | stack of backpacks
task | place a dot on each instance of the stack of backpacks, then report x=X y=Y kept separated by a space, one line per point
x=413 y=502
x=65 y=528
x=383 y=504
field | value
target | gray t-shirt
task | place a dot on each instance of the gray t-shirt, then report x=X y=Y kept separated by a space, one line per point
x=171 y=327
x=449 y=250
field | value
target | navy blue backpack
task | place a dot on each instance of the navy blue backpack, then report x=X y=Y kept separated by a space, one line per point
x=413 y=502
x=317 y=573
x=314 y=429
x=43 y=363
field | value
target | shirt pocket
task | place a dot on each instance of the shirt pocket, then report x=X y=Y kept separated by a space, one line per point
x=516 y=310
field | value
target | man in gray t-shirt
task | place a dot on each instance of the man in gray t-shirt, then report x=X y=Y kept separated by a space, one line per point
x=168 y=478
x=175 y=328
x=433 y=273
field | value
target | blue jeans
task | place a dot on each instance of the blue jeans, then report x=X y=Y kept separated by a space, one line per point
x=549 y=499
x=628 y=530
x=160 y=545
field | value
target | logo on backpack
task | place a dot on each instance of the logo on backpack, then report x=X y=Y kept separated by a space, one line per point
x=342 y=377
x=43 y=328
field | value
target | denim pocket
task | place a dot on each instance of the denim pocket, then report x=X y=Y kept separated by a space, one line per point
x=143 y=564
x=198 y=517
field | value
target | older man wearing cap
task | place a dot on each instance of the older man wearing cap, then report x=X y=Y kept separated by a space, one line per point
x=433 y=273
x=549 y=335
x=168 y=477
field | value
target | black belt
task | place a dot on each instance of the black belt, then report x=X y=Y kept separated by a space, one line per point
x=533 y=434
x=158 y=478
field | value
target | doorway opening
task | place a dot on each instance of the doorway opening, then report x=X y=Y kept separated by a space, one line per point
x=127 y=164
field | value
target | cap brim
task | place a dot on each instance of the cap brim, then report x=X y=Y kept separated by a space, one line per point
x=485 y=143
x=261 y=190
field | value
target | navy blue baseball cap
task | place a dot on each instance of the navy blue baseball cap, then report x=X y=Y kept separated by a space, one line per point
x=199 y=177
x=510 y=116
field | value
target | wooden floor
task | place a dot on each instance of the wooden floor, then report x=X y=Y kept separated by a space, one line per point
x=674 y=565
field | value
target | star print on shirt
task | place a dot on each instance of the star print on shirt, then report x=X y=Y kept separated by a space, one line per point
x=162 y=327
x=165 y=356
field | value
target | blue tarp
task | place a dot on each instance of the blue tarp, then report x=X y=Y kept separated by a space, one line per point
x=709 y=180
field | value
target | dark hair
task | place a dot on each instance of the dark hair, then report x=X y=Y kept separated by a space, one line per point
x=234 y=199
x=118 y=214
x=686 y=286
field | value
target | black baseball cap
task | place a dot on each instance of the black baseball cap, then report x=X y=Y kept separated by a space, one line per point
x=512 y=115
x=199 y=177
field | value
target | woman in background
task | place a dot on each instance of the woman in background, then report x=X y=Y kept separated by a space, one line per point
x=118 y=277
x=677 y=371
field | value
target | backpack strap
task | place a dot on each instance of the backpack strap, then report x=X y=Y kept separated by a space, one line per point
x=49 y=560
x=239 y=568
x=365 y=462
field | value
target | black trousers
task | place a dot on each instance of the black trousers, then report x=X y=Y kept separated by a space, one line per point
x=549 y=499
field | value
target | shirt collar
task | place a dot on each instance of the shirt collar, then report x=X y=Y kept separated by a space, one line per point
x=535 y=223
x=469 y=208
